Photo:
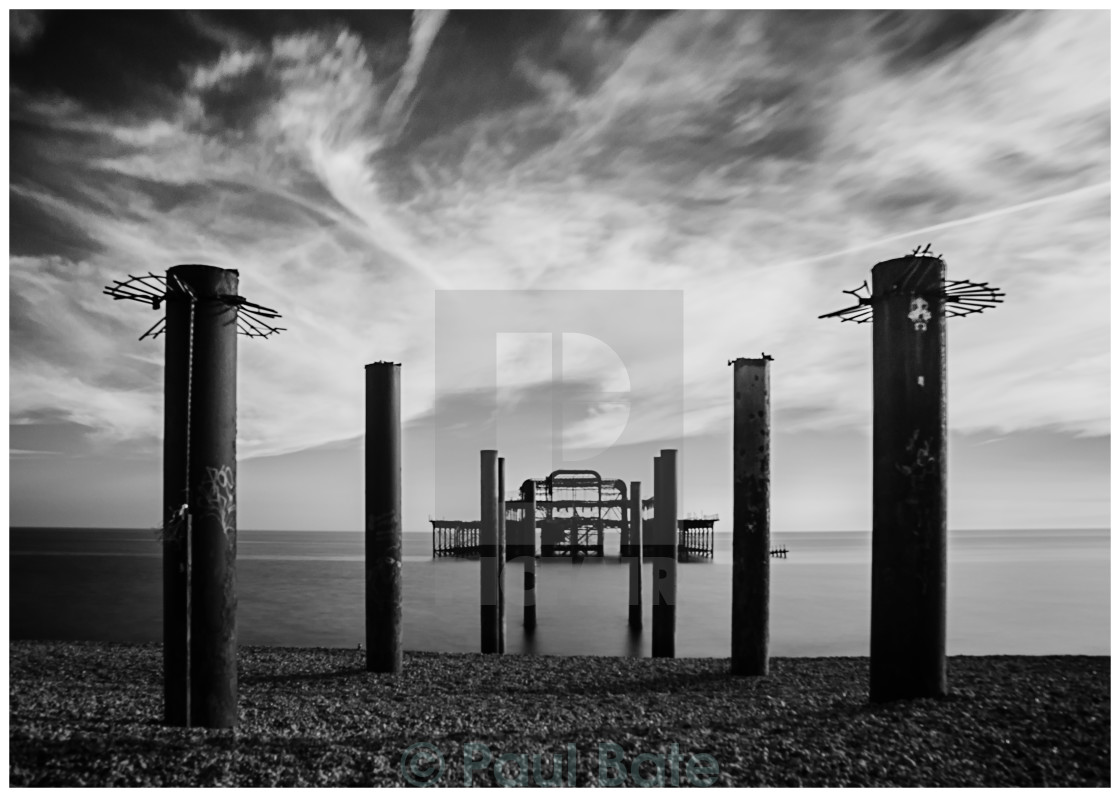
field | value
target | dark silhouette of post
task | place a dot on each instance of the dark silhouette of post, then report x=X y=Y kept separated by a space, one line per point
x=635 y=554
x=750 y=545
x=529 y=495
x=502 y=554
x=488 y=552
x=665 y=556
x=653 y=549
x=383 y=517
x=199 y=496
x=908 y=570
x=908 y=304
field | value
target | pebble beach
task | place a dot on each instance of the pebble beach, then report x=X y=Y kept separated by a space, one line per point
x=90 y=714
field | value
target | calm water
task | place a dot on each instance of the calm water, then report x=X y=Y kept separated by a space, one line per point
x=1015 y=591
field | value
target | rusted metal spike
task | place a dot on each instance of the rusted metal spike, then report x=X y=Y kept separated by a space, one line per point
x=261 y=309
x=261 y=313
x=985 y=302
x=244 y=304
x=248 y=321
x=968 y=292
x=836 y=313
x=152 y=329
x=130 y=289
x=862 y=292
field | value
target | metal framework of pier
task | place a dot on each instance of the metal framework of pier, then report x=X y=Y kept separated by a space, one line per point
x=575 y=508
x=696 y=538
x=574 y=511
x=455 y=538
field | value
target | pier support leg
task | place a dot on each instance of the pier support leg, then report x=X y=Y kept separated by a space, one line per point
x=200 y=471
x=530 y=553
x=502 y=551
x=665 y=557
x=635 y=554
x=383 y=518
x=488 y=552
x=908 y=541
x=750 y=569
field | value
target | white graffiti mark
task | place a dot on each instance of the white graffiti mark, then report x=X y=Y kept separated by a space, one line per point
x=218 y=495
x=919 y=313
x=923 y=462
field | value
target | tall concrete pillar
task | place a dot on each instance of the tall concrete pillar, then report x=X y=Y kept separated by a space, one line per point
x=502 y=554
x=200 y=498
x=383 y=518
x=635 y=554
x=665 y=558
x=750 y=570
x=529 y=494
x=488 y=552
x=908 y=542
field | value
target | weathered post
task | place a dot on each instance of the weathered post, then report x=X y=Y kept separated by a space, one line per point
x=750 y=544
x=200 y=473
x=501 y=554
x=657 y=573
x=665 y=558
x=383 y=517
x=908 y=537
x=635 y=540
x=204 y=314
x=908 y=303
x=529 y=494
x=488 y=552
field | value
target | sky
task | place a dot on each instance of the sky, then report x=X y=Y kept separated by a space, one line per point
x=365 y=171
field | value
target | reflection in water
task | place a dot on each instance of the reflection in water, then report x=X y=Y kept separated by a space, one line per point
x=528 y=642
x=634 y=646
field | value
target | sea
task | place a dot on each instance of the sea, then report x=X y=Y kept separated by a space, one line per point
x=1013 y=591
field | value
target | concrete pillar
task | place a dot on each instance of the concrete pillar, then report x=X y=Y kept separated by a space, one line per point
x=502 y=554
x=653 y=548
x=623 y=523
x=635 y=554
x=488 y=552
x=665 y=558
x=383 y=518
x=529 y=494
x=908 y=541
x=750 y=570
x=200 y=471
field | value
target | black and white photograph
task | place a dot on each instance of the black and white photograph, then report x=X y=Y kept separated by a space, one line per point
x=569 y=398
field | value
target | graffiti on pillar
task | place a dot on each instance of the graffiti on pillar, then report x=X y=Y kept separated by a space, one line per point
x=922 y=463
x=217 y=497
x=385 y=569
x=174 y=528
x=919 y=313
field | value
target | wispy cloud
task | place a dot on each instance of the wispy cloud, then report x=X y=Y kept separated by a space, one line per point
x=425 y=25
x=713 y=154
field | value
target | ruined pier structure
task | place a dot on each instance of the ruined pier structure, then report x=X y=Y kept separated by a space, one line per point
x=573 y=511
